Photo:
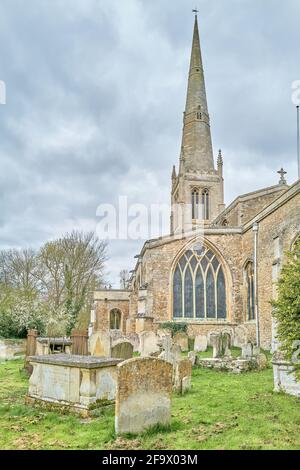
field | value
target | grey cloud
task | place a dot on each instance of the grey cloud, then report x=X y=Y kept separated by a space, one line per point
x=95 y=95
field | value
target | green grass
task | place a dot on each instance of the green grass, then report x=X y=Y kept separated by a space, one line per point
x=222 y=411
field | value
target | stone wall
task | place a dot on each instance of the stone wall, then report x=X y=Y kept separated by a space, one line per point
x=283 y=223
x=11 y=349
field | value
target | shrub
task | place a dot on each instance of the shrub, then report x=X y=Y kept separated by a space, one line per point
x=175 y=327
x=287 y=308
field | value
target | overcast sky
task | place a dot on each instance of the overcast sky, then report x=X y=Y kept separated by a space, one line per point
x=95 y=95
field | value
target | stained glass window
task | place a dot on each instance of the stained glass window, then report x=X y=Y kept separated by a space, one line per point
x=199 y=288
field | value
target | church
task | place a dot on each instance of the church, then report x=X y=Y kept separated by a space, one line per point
x=218 y=267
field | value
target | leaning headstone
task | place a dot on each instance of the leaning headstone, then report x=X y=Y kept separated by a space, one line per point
x=148 y=343
x=192 y=357
x=122 y=350
x=183 y=375
x=100 y=344
x=143 y=398
x=182 y=340
x=200 y=343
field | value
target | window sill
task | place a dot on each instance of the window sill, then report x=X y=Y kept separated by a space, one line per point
x=200 y=320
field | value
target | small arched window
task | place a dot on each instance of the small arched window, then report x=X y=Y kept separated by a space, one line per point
x=115 y=319
x=249 y=280
x=195 y=204
x=205 y=204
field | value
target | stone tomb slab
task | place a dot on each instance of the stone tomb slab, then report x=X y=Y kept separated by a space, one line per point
x=143 y=398
x=80 y=383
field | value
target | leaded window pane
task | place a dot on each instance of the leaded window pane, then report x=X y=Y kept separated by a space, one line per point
x=221 y=295
x=210 y=295
x=193 y=263
x=188 y=295
x=182 y=262
x=177 y=294
x=199 y=286
x=215 y=264
x=204 y=263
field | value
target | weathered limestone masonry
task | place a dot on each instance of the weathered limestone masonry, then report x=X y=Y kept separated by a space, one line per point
x=213 y=290
x=143 y=398
x=78 y=383
x=279 y=226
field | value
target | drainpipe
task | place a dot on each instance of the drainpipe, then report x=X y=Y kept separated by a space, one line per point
x=255 y=231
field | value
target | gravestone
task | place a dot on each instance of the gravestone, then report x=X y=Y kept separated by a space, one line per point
x=247 y=351
x=215 y=341
x=148 y=343
x=183 y=375
x=143 y=398
x=100 y=344
x=221 y=343
x=122 y=350
x=200 y=343
x=241 y=336
x=192 y=357
x=226 y=344
x=171 y=352
x=182 y=340
x=134 y=339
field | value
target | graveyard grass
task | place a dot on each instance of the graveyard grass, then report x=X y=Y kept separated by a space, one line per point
x=223 y=411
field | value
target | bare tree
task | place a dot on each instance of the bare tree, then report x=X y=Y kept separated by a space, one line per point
x=124 y=279
x=19 y=269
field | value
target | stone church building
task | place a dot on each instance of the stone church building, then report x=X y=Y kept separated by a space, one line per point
x=217 y=268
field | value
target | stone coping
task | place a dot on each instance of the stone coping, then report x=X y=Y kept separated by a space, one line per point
x=71 y=360
x=57 y=341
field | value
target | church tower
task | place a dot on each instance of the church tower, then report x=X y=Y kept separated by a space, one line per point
x=198 y=189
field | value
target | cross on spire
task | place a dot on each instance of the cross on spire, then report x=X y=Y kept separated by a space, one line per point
x=282 y=174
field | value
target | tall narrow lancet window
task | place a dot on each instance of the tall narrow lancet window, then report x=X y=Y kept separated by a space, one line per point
x=205 y=204
x=195 y=204
x=249 y=279
x=115 y=319
x=199 y=287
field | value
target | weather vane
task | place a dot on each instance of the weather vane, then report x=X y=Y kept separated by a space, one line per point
x=195 y=11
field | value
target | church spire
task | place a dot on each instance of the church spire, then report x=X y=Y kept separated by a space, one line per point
x=196 y=142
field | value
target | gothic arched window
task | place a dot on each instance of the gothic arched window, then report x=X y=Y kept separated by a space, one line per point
x=205 y=204
x=115 y=319
x=195 y=204
x=249 y=278
x=199 y=288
